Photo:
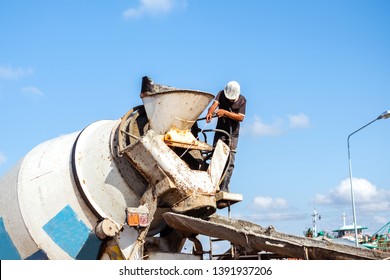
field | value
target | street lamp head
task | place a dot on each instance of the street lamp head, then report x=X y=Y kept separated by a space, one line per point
x=384 y=115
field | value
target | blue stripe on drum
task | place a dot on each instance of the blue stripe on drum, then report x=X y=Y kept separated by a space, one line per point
x=68 y=231
x=8 y=250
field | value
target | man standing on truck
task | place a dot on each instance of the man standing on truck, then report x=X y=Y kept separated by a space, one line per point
x=231 y=111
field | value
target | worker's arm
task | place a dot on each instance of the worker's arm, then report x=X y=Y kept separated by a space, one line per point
x=210 y=113
x=234 y=116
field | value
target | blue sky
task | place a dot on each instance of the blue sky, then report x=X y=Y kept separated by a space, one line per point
x=312 y=72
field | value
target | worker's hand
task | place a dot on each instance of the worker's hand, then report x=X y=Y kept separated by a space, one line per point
x=209 y=117
x=221 y=113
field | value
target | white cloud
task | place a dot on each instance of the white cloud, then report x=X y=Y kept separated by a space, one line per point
x=3 y=159
x=154 y=8
x=365 y=193
x=278 y=127
x=32 y=90
x=259 y=128
x=8 y=72
x=269 y=203
x=299 y=121
x=322 y=199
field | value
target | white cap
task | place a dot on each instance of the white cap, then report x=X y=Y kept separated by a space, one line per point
x=232 y=90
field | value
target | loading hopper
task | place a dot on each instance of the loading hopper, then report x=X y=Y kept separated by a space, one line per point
x=177 y=108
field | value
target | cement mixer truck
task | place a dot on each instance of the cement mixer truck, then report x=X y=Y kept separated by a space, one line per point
x=135 y=188
x=101 y=193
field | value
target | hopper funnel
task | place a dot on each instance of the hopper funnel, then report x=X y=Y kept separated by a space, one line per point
x=168 y=107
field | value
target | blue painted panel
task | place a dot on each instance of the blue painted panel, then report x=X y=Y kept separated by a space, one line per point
x=68 y=231
x=8 y=250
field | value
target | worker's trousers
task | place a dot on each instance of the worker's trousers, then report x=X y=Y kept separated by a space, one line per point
x=225 y=184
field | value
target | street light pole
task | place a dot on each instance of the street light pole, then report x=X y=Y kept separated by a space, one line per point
x=384 y=115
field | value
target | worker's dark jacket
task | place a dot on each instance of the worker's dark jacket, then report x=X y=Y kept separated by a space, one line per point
x=230 y=126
